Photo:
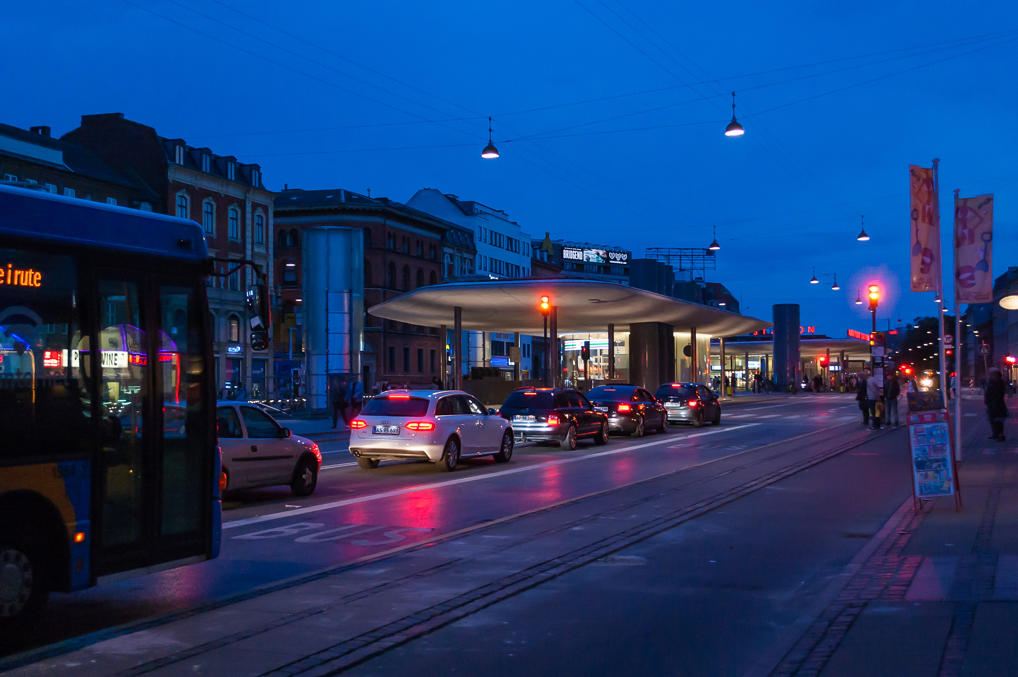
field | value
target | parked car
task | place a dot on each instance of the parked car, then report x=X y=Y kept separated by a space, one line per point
x=690 y=403
x=439 y=426
x=631 y=410
x=258 y=452
x=560 y=415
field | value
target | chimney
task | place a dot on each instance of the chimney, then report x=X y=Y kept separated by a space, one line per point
x=41 y=130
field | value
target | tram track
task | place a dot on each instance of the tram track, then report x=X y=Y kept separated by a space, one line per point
x=383 y=637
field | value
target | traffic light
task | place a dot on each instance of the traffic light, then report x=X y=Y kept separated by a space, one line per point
x=874 y=295
x=822 y=360
x=585 y=351
x=257 y=301
x=949 y=352
x=544 y=305
x=1010 y=359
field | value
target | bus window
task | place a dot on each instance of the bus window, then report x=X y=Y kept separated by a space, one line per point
x=181 y=371
x=43 y=398
x=124 y=384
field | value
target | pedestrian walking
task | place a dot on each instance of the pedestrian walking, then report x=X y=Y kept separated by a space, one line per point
x=860 y=397
x=891 y=395
x=339 y=401
x=873 y=391
x=996 y=406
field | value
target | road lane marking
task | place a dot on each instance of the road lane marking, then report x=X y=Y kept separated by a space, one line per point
x=462 y=480
x=339 y=465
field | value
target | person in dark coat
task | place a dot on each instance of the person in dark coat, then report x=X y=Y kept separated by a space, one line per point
x=891 y=394
x=996 y=407
x=860 y=397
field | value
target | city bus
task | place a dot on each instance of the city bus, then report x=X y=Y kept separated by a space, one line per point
x=108 y=459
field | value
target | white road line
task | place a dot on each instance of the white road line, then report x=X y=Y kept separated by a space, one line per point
x=463 y=480
x=770 y=416
x=339 y=465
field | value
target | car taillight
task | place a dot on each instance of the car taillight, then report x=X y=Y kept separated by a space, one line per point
x=624 y=408
x=358 y=423
x=693 y=403
x=222 y=481
x=553 y=420
x=420 y=426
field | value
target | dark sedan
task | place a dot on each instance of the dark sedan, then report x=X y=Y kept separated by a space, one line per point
x=631 y=410
x=559 y=415
x=690 y=403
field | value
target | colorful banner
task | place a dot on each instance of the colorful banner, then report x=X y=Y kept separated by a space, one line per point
x=973 y=249
x=924 y=236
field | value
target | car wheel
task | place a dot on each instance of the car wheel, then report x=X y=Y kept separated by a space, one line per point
x=451 y=454
x=717 y=418
x=569 y=441
x=368 y=463
x=602 y=435
x=305 y=478
x=698 y=420
x=23 y=589
x=505 y=452
x=640 y=429
x=664 y=423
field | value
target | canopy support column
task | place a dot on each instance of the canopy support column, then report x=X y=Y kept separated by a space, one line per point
x=693 y=365
x=457 y=355
x=553 y=357
x=611 y=352
x=724 y=377
x=443 y=367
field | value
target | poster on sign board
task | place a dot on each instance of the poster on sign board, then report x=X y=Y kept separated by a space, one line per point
x=929 y=438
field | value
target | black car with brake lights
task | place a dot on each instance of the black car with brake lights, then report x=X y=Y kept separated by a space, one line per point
x=558 y=415
x=631 y=410
x=692 y=403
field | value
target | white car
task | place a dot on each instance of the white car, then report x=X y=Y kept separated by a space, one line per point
x=440 y=426
x=258 y=452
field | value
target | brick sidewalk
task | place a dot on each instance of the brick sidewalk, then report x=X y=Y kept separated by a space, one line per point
x=937 y=590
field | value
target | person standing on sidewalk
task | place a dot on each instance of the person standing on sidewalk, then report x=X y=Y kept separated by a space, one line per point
x=872 y=395
x=996 y=407
x=891 y=394
x=339 y=402
x=860 y=397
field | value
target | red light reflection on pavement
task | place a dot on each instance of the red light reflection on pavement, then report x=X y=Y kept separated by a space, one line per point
x=421 y=509
x=624 y=469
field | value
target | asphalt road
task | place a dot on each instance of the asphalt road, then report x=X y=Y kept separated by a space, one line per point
x=358 y=514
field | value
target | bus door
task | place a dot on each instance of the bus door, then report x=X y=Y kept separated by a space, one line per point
x=151 y=399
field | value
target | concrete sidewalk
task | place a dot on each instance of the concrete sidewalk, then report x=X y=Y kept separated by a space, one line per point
x=936 y=592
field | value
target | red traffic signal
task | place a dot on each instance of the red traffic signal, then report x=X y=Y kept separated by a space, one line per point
x=1010 y=359
x=822 y=360
x=544 y=305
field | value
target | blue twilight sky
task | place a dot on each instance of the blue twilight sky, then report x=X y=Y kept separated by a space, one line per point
x=608 y=114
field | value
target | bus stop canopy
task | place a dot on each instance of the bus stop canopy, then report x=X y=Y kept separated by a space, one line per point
x=583 y=306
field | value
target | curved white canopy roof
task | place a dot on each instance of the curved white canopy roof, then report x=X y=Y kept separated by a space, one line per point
x=583 y=305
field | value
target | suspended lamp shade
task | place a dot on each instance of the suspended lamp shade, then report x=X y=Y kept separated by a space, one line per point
x=489 y=152
x=858 y=299
x=835 y=286
x=714 y=246
x=862 y=236
x=814 y=280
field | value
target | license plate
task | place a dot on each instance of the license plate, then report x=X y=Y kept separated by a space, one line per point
x=600 y=408
x=520 y=417
x=387 y=430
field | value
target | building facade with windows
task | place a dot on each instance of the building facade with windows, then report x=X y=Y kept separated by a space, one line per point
x=228 y=199
x=503 y=252
x=404 y=249
x=32 y=158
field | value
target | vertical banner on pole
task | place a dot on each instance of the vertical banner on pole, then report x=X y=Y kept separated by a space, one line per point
x=973 y=250
x=924 y=235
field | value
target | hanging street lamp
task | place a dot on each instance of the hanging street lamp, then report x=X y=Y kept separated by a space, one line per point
x=734 y=128
x=714 y=246
x=862 y=236
x=489 y=152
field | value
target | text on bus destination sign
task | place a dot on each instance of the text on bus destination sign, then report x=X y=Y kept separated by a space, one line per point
x=19 y=277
